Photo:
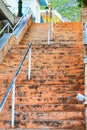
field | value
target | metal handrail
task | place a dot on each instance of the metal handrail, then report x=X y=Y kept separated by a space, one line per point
x=13 y=28
x=5 y=27
x=14 y=79
x=27 y=11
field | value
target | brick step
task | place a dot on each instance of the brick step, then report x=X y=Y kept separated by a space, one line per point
x=51 y=45
x=42 y=89
x=45 y=79
x=68 y=124
x=67 y=26
x=43 y=94
x=68 y=40
x=40 y=108
x=44 y=116
x=41 y=77
x=49 y=100
x=40 y=129
x=54 y=50
x=54 y=87
x=44 y=100
x=51 y=50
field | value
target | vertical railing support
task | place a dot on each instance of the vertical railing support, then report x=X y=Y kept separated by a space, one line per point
x=13 y=104
x=49 y=35
x=52 y=27
x=29 y=64
x=8 y=28
x=85 y=63
x=53 y=22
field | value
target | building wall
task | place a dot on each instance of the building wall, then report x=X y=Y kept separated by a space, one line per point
x=35 y=7
x=33 y=4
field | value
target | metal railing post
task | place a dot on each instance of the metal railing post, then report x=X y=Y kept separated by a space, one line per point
x=13 y=104
x=52 y=21
x=49 y=35
x=8 y=28
x=85 y=63
x=29 y=64
x=12 y=85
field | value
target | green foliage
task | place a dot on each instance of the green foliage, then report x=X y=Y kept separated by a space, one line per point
x=82 y=3
x=68 y=9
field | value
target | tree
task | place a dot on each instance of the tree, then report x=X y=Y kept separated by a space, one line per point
x=82 y=3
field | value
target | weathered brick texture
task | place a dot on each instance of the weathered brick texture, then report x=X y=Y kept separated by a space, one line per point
x=48 y=100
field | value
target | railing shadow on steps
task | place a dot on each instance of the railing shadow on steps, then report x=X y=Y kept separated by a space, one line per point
x=12 y=85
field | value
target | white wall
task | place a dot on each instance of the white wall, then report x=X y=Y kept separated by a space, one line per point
x=35 y=7
x=33 y=4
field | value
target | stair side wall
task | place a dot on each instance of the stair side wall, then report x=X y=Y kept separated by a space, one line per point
x=12 y=41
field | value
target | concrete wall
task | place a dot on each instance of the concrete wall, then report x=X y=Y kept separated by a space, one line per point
x=6 y=13
x=84 y=23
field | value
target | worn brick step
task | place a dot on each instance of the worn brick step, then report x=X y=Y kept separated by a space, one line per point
x=48 y=87
x=71 y=84
x=49 y=100
x=42 y=75
x=46 y=63
x=55 y=52
x=40 y=129
x=37 y=124
x=41 y=90
x=39 y=108
x=49 y=93
x=42 y=79
x=44 y=100
x=69 y=124
x=51 y=46
x=44 y=116
x=77 y=26
x=70 y=35
x=67 y=41
x=44 y=82
x=50 y=116
x=74 y=45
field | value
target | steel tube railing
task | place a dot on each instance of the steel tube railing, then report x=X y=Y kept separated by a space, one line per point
x=8 y=25
x=12 y=85
x=13 y=104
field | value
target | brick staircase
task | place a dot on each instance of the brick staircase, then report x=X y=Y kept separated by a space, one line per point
x=48 y=100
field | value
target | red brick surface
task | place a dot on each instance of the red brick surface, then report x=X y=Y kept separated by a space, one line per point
x=48 y=100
